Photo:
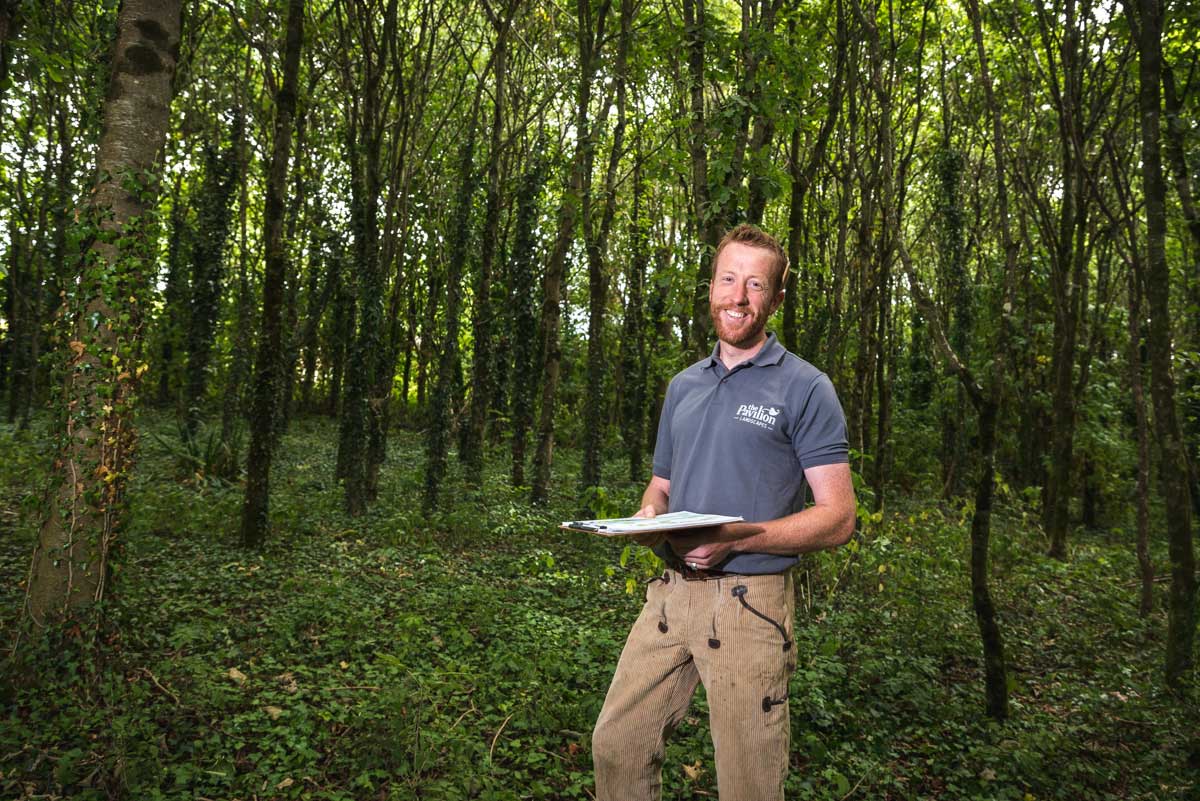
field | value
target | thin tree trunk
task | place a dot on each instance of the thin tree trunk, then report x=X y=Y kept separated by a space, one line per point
x=522 y=297
x=1173 y=466
x=596 y=246
x=707 y=218
x=449 y=364
x=482 y=377
x=255 y=509
x=633 y=348
x=1142 y=493
x=590 y=39
x=208 y=268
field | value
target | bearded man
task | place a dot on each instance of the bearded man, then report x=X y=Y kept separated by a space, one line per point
x=742 y=433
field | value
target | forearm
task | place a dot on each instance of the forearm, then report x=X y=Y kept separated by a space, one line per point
x=813 y=529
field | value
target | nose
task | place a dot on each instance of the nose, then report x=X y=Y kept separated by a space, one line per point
x=741 y=295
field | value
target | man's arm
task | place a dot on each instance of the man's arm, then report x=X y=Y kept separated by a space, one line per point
x=656 y=498
x=828 y=523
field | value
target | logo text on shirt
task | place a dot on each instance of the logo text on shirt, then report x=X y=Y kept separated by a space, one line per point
x=762 y=416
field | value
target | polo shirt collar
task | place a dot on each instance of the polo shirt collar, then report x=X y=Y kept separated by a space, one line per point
x=771 y=352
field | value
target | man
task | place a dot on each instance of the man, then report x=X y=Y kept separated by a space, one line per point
x=741 y=433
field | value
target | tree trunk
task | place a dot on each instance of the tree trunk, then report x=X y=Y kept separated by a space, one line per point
x=255 y=508
x=523 y=279
x=70 y=561
x=1177 y=130
x=709 y=226
x=208 y=274
x=633 y=347
x=449 y=364
x=596 y=246
x=1172 y=455
x=591 y=38
x=482 y=376
x=1142 y=493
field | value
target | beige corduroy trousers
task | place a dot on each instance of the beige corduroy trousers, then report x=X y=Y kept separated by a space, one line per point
x=702 y=631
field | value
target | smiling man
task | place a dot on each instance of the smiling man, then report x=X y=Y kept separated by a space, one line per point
x=743 y=432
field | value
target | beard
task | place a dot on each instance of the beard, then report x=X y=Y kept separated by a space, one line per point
x=744 y=335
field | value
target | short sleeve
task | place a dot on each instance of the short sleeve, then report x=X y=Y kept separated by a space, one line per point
x=819 y=435
x=662 y=445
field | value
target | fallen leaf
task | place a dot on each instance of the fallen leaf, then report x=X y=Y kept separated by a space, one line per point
x=237 y=675
x=343 y=664
x=988 y=775
x=286 y=783
x=694 y=772
x=273 y=712
x=288 y=681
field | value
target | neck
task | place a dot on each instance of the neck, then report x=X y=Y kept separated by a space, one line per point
x=733 y=355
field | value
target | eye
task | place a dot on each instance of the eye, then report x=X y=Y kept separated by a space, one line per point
x=726 y=279
x=756 y=284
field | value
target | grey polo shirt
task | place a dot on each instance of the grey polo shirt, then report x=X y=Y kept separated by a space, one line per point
x=737 y=442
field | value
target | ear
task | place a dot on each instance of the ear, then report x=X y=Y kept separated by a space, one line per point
x=776 y=302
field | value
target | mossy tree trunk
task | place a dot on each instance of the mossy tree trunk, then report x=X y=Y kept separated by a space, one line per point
x=633 y=333
x=1172 y=454
x=522 y=296
x=213 y=213
x=596 y=247
x=175 y=294
x=591 y=25
x=103 y=342
x=439 y=419
x=255 y=507
x=482 y=376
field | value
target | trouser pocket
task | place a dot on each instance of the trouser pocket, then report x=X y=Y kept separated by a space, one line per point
x=739 y=591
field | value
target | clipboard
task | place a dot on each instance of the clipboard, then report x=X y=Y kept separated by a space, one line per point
x=630 y=526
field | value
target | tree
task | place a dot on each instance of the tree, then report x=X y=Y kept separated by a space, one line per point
x=591 y=23
x=255 y=506
x=1146 y=19
x=102 y=348
x=481 y=360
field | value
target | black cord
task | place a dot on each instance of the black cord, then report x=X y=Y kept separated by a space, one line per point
x=739 y=592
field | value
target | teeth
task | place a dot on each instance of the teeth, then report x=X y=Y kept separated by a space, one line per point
x=735 y=315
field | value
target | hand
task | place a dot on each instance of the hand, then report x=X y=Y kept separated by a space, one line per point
x=652 y=539
x=704 y=548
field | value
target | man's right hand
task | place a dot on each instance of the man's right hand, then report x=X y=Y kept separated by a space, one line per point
x=650 y=539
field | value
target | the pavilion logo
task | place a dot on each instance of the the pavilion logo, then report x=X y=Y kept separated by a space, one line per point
x=763 y=416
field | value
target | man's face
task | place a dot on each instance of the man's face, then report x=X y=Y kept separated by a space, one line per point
x=742 y=295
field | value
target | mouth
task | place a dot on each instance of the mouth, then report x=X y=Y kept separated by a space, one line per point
x=734 y=315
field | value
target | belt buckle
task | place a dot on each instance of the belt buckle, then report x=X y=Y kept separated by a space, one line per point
x=688 y=573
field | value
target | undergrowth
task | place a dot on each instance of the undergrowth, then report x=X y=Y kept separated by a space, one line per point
x=467 y=656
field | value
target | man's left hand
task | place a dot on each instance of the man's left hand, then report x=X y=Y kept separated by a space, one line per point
x=704 y=548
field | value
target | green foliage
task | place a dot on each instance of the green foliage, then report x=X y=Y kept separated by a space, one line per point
x=466 y=657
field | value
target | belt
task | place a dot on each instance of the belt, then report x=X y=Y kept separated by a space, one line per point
x=696 y=574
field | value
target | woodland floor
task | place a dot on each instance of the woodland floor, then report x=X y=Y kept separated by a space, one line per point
x=468 y=656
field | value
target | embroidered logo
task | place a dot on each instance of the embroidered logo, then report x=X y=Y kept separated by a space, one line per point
x=762 y=416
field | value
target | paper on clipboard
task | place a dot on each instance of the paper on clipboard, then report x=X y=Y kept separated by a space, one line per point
x=626 y=526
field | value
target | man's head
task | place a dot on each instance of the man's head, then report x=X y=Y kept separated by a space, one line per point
x=755 y=237
x=749 y=271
